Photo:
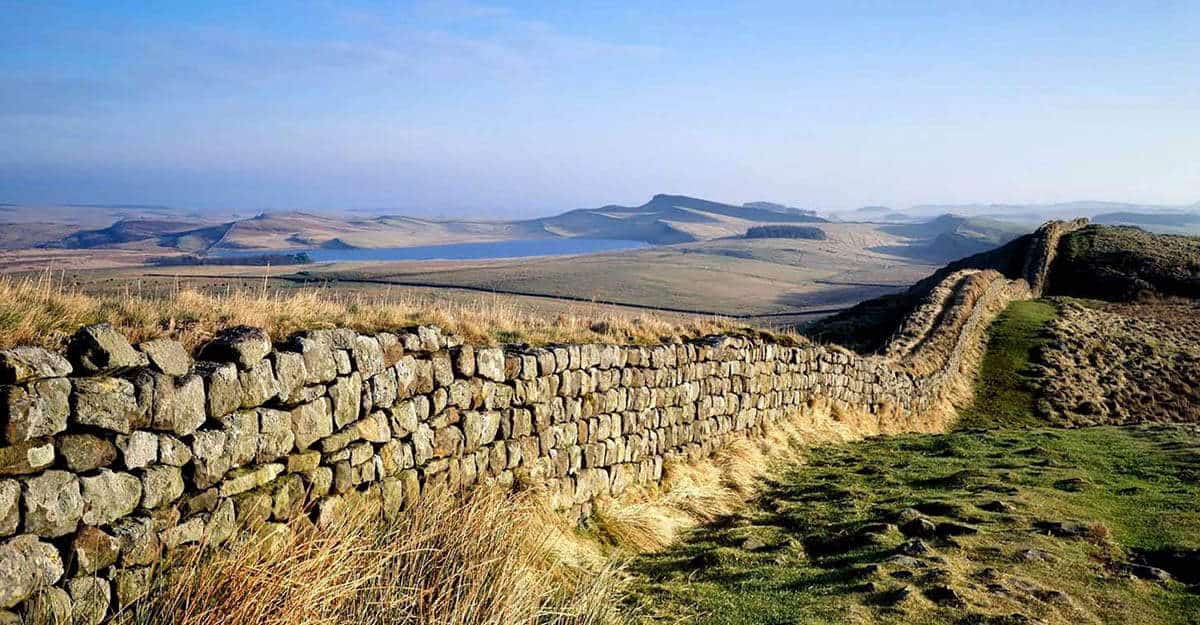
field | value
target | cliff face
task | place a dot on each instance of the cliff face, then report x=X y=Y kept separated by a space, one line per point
x=114 y=452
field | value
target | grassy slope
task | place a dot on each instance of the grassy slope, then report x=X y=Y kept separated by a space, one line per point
x=1139 y=492
x=799 y=554
x=1001 y=397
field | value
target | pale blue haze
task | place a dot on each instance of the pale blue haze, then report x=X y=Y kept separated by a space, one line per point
x=526 y=108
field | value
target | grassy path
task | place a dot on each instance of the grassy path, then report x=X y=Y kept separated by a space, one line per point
x=1007 y=525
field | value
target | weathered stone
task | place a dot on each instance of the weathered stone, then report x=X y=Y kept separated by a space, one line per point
x=288 y=498
x=26 y=565
x=21 y=364
x=10 y=507
x=99 y=349
x=404 y=418
x=138 y=449
x=86 y=452
x=93 y=550
x=222 y=389
x=108 y=496
x=479 y=428
x=90 y=598
x=178 y=406
x=167 y=356
x=311 y=422
x=48 y=606
x=367 y=355
x=27 y=457
x=161 y=485
x=253 y=509
x=345 y=395
x=291 y=376
x=129 y=585
x=258 y=384
x=106 y=403
x=242 y=480
x=275 y=437
x=319 y=363
x=188 y=532
x=303 y=462
x=241 y=437
x=53 y=504
x=172 y=451
x=489 y=363
x=209 y=459
x=464 y=361
x=443 y=371
x=36 y=409
x=139 y=541
x=222 y=524
x=374 y=428
x=244 y=346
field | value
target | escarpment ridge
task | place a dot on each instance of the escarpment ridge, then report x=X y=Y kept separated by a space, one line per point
x=115 y=453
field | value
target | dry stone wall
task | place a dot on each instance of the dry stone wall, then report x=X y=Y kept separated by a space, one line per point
x=114 y=454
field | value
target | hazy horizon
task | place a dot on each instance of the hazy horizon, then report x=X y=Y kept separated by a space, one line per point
x=499 y=111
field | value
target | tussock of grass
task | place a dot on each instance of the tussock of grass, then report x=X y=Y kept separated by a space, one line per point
x=488 y=559
x=649 y=518
x=42 y=311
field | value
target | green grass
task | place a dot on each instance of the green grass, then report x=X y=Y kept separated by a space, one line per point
x=1139 y=491
x=1002 y=394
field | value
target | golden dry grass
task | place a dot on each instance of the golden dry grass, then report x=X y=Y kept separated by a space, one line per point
x=42 y=311
x=648 y=518
x=490 y=558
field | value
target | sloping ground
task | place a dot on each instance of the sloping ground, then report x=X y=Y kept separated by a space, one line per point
x=996 y=527
x=1134 y=363
x=1120 y=263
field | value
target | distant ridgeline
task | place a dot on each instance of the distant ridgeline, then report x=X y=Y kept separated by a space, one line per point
x=1116 y=263
x=786 y=232
x=114 y=453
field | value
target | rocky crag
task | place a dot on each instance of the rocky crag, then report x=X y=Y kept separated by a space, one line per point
x=116 y=453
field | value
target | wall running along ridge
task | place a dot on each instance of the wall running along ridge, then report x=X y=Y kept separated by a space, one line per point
x=113 y=454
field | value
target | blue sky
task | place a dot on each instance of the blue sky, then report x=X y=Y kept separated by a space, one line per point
x=442 y=108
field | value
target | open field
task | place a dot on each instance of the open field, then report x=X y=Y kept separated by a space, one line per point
x=731 y=277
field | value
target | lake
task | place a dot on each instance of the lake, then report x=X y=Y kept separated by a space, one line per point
x=461 y=251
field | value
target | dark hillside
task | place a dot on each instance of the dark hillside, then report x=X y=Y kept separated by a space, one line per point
x=1123 y=263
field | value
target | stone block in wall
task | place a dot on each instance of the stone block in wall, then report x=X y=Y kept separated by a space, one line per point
x=90 y=600
x=291 y=376
x=48 y=606
x=167 y=356
x=139 y=545
x=138 y=449
x=28 y=566
x=93 y=550
x=312 y=422
x=258 y=384
x=345 y=396
x=100 y=349
x=464 y=361
x=367 y=355
x=210 y=461
x=34 y=410
x=243 y=346
x=161 y=485
x=23 y=364
x=316 y=351
x=109 y=495
x=105 y=403
x=53 y=504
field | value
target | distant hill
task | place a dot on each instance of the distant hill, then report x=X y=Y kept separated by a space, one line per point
x=1166 y=223
x=668 y=219
x=948 y=237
